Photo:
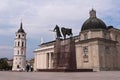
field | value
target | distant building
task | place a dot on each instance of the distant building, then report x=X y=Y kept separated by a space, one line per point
x=19 y=60
x=97 y=47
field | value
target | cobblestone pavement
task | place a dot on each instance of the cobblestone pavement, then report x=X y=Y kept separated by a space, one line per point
x=104 y=75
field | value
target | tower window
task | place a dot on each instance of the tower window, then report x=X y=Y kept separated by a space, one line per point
x=18 y=66
x=18 y=36
x=18 y=43
x=22 y=44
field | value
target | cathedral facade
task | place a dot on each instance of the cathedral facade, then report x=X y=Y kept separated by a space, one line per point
x=97 y=47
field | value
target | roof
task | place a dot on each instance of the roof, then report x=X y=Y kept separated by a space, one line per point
x=21 y=30
x=93 y=22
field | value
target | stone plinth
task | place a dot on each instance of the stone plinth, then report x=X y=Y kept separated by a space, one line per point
x=64 y=54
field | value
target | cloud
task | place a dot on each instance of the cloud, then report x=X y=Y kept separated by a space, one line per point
x=6 y=51
x=46 y=14
x=5 y=47
x=40 y=16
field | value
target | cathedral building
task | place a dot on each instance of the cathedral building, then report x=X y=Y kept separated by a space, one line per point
x=97 y=47
x=19 y=60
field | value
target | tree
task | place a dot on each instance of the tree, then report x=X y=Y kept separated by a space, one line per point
x=3 y=64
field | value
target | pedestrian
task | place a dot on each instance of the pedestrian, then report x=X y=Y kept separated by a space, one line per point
x=27 y=67
x=31 y=68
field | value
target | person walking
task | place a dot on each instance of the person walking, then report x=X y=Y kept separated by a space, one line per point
x=27 y=67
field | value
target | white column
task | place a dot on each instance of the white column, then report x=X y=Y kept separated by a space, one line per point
x=49 y=60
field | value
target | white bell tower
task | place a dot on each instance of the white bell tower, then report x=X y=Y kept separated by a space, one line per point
x=19 y=60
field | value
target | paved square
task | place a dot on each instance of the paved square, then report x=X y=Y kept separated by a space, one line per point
x=104 y=75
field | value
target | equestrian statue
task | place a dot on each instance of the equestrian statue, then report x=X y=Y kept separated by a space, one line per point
x=57 y=30
x=65 y=31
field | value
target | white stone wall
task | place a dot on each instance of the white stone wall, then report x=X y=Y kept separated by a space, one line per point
x=95 y=34
x=43 y=58
x=93 y=59
x=19 y=52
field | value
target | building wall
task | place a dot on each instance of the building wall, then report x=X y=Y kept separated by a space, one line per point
x=93 y=59
x=43 y=58
x=99 y=33
x=107 y=55
x=115 y=36
x=103 y=52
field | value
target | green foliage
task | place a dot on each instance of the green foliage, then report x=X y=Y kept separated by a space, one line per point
x=3 y=64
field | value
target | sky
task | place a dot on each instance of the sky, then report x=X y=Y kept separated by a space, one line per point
x=39 y=17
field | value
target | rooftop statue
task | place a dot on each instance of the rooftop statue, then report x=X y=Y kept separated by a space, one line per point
x=66 y=31
x=57 y=30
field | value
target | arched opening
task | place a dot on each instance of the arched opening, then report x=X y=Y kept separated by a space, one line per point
x=22 y=44
x=18 y=43
x=18 y=36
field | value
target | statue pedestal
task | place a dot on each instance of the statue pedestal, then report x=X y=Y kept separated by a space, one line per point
x=64 y=54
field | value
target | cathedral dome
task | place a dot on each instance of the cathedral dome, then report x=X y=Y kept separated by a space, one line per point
x=93 y=22
x=21 y=30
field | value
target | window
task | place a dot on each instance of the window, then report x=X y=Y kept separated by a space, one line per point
x=18 y=36
x=22 y=44
x=85 y=36
x=18 y=43
x=18 y=66
x=85 y=49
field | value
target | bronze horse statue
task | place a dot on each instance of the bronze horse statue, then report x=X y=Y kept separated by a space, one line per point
x=66 y=31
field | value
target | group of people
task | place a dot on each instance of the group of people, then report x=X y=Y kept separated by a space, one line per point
x=29 y=68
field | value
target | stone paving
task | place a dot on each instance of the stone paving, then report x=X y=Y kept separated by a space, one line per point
x=104 y=75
